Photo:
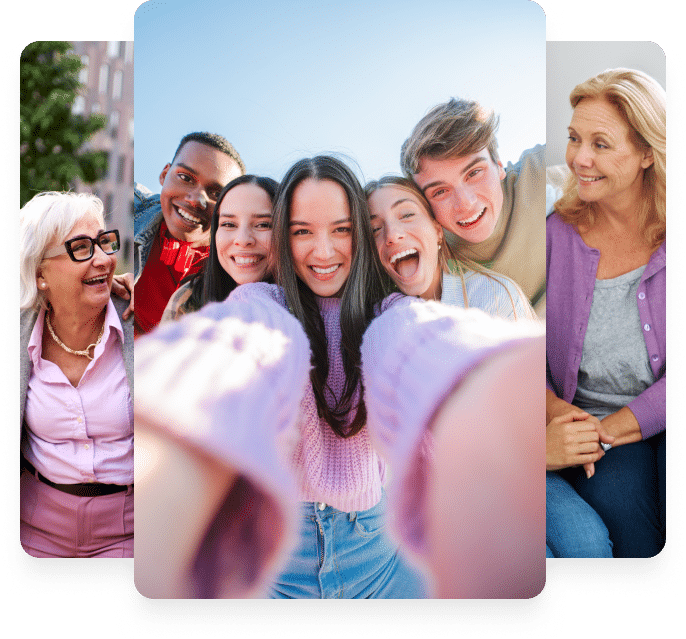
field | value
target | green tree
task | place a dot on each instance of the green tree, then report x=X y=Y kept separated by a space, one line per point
x=50 y=134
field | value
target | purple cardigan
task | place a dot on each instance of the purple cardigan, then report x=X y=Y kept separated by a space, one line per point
x=571 y=268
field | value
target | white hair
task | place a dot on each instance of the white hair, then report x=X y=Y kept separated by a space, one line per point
x=48 y=217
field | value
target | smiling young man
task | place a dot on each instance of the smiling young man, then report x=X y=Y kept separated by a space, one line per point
x=495 y=215
x=172 y=229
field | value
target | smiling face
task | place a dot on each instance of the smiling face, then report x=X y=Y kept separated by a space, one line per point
x=321 y=236
x=607 y=164
x=190 y=187
x=77 y=285
x=407 y=239
x=244 y=233
x=465 y=193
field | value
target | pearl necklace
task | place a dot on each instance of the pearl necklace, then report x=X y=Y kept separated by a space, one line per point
x=61 y=344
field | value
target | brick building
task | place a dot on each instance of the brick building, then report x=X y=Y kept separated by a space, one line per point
x=107 y=79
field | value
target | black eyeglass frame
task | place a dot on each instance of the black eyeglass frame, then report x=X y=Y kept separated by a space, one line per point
x=66 y=247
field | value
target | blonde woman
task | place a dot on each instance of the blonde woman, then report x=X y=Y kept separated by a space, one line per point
x=606 y=274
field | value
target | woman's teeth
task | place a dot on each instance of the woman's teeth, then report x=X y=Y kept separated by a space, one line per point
x=246 y=261
x=325 y=271
x=100 y=279
x=398 y=256
x=589 y=179
x=471 y=220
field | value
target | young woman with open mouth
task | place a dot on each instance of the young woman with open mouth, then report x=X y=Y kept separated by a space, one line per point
x=416 y=256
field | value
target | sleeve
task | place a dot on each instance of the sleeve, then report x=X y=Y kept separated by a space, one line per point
x=650 y=408
x=226 y=382
x=413 y=356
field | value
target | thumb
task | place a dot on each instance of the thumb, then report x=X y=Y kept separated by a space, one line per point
x=605 y=438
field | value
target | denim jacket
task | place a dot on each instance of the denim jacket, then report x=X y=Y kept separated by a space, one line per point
x=147 y=217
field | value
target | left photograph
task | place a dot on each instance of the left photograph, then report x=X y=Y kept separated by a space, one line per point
x=76 y=299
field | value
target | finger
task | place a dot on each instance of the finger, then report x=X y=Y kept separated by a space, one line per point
x=588 y=448
x=605 y=438
x=590 y=469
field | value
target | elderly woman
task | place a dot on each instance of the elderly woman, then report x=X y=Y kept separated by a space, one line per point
x=76 y=384
x=414 y=253
x=606 y=270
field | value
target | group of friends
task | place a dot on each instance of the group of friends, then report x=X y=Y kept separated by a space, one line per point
x=331 y=376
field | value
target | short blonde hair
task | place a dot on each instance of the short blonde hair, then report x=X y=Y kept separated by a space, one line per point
x=46 y=218
x=642 y=104
x=450 y=130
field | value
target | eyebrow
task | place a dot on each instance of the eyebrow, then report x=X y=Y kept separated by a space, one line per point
x=260 y=215
x=605 y=134
x=481 y=158
x=296 y=223
x=83 y=236
x=188 y=168
x=400 y=201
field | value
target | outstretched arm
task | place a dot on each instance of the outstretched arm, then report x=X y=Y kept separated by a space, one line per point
x=486 y=508
x=216 y=393
x=470 y=385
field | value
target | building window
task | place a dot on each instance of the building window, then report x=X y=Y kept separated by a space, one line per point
x=120 y=169
x=114 y=124
x=128 y=51
x=113 y=48
x=79 y=105
x=104 y=78
x=131 y=130
x=109 y=202
x=117 y=80
x=83 y=73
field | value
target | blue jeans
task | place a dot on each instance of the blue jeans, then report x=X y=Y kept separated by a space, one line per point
x=347 y=556
x=573 y=528
x=628 y=492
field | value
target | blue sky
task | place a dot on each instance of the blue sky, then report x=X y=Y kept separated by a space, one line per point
x=286 y=80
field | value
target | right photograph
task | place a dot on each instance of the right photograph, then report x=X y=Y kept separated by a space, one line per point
x=606 y=299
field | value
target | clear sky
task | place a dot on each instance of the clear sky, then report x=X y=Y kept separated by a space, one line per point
x=286 y=80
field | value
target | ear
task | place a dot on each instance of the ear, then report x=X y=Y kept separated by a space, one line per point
x=501 y=171
x=439 y=232
x=648 y=159
x=163 y=175
x=40 y=281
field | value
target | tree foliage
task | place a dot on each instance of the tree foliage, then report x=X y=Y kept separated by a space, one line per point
x=50 y=134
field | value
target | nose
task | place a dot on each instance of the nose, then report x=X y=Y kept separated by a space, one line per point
x=244 y=236
x=394 y=232
x=323 y=249
x=100 y=258
x=198 y=197
x=581 y=156
x=464 y=199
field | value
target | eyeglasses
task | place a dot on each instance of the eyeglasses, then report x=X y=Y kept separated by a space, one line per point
x=82 y=248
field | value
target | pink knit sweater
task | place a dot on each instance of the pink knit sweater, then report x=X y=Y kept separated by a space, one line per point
x=234 y=384
x=345 y=473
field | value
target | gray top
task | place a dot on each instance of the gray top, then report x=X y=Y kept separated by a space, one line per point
x=614 y=368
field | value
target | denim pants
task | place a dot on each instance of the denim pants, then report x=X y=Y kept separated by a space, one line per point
x=628 y=492
x=347 y=556
x=573 y=528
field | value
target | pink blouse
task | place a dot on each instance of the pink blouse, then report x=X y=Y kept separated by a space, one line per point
x=85 y=433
